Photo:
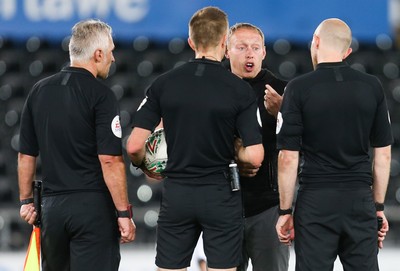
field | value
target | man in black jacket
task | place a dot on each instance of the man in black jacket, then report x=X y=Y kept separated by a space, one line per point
x=246 y=52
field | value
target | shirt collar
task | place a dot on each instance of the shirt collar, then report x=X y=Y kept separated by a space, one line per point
x=332 y=64
x=205 y=60
x=77 y=70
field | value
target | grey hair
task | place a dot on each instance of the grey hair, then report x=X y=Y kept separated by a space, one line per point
x=87 y=37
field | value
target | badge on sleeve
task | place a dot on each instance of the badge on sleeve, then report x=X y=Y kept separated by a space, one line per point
x=116 y=127
x=259 y=117
x=279 y=122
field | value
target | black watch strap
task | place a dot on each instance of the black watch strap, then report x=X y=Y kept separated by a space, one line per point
x=126 y=213
x=26 y=201
x=379 y=206
x=138 y=166
x=285 y=211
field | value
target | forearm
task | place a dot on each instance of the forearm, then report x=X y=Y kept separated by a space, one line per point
x=137 y=157
x=26 y=175
x=135 y=145
x=115 y=178
x=253 y=154
x=287 y=175
x=381 y=172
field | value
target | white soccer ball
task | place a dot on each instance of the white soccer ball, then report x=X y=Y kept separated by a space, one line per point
x=155 y=158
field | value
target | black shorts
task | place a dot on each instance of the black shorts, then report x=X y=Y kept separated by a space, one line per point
x=80 y=232
x=331 y=222
x=190 y=206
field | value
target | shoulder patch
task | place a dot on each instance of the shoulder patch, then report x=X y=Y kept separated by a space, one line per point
x=279 y=122
x=116 y=127
x=259 y=117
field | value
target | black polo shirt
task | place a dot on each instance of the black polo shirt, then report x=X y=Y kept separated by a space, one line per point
x=202 y=105
x=333 y=115
x=69 y=119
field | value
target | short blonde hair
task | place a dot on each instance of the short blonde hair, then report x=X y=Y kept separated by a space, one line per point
x=88 y=36
x=207 y=27
x=238 y=26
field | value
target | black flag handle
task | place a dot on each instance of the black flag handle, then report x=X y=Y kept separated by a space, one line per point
x=37 y=200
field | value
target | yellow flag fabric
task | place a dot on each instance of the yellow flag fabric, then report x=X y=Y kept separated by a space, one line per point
x=32 y=260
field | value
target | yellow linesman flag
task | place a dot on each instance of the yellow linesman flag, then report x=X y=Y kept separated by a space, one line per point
x=32 y=260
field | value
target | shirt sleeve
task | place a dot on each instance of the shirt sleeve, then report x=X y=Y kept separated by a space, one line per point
x=289 y=126
x=28 y=143
x=248 y=127
x=108 y=125
x=381 y=132
x=148 y=114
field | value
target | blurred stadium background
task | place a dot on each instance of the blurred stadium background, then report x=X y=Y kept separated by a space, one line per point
x=150 y=38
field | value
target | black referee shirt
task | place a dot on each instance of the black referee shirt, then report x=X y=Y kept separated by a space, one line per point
x=202 y=105
x=70 y=118
x=333 y=115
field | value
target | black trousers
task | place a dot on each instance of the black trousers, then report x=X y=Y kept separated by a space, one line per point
x=261 y=244
x=331 y=222
x=79 y=233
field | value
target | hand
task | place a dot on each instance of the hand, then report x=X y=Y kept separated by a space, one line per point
x=285 y=229
x=28 y=213
x=247 y=169
x=272 y=101
x=382 y=231
x=152 y=175
x=127 y=229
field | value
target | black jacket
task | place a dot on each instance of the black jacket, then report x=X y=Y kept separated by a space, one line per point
x=261 y=192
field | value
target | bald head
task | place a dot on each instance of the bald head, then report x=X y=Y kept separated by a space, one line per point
x=331 y=42
x=334 y=34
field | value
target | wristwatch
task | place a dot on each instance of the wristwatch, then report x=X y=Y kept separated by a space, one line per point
x=379 y=206
x=26 y=201
x=285 y=211
x=126 y=213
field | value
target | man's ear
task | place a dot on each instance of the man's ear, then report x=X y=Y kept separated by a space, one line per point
x=264 y=52
x=347 y=53
x=226 y=53
x=224 y=40
x=191 y=44
x=98 y=55
x=316 y=41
